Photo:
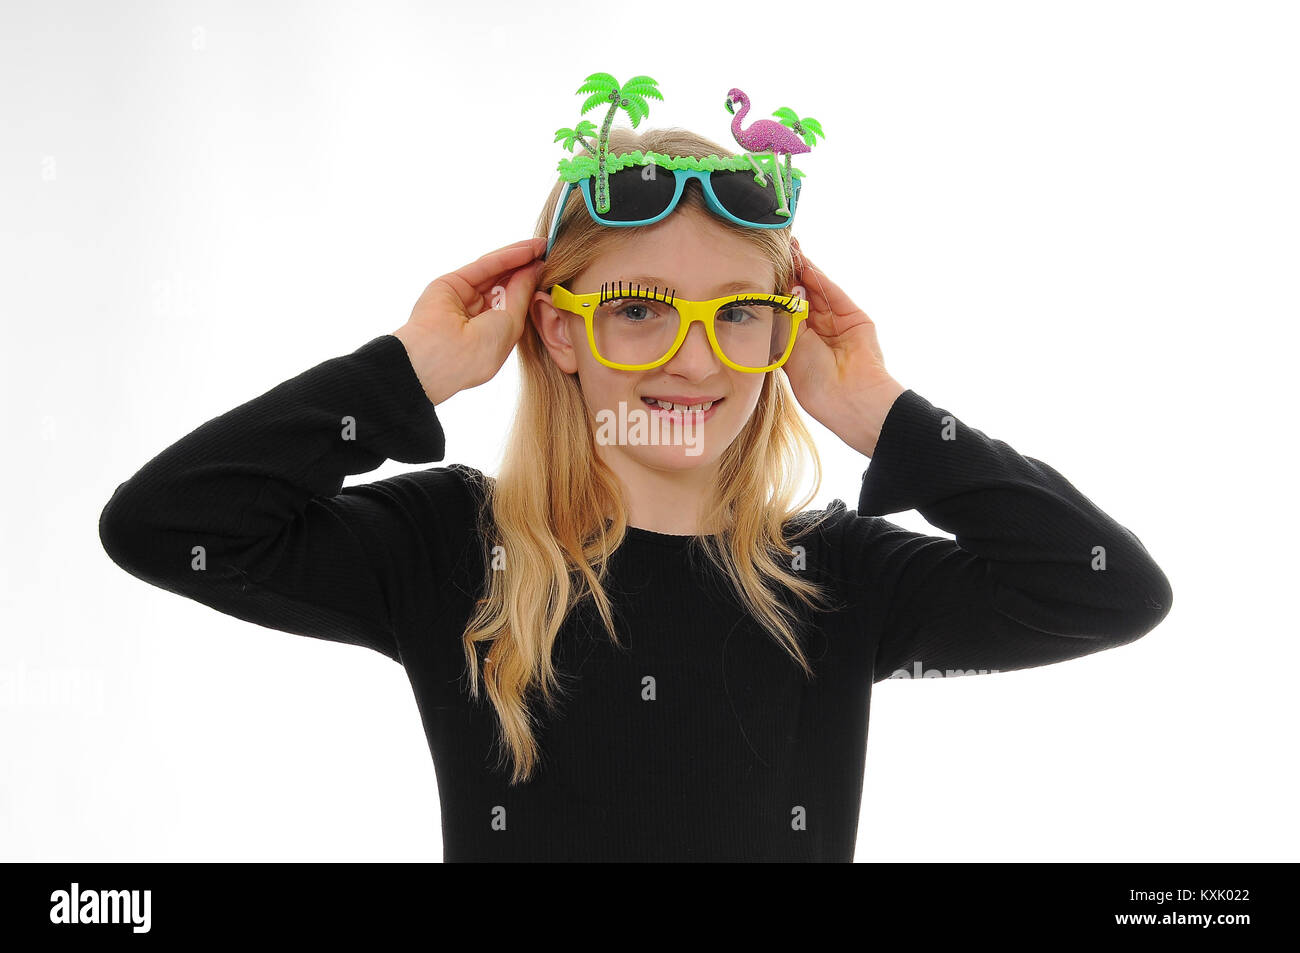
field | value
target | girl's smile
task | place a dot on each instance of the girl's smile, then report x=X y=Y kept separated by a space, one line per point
x=677 y=407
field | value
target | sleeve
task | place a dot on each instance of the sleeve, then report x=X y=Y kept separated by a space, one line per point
x=1037 y=573
x=248 y=514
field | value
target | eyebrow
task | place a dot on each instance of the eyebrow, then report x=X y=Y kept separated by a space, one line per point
x=721 y=290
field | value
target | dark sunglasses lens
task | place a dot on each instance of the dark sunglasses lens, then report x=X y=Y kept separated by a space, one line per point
x=635 y=195
x=747 y=200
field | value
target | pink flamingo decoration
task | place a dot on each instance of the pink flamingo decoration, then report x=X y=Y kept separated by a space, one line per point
x=764 y=135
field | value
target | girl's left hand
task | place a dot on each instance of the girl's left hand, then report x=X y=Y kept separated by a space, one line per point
x=836 y=369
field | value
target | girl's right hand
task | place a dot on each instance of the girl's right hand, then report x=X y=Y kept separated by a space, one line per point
x=456 y=338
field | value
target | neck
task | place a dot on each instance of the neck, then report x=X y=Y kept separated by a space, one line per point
x=662 y=501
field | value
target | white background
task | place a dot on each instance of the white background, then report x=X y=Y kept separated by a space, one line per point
x=1074 y=224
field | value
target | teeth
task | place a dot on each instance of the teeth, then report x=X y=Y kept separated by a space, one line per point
x=694 y=408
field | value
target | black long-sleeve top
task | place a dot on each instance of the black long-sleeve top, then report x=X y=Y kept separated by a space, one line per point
x=700 y=739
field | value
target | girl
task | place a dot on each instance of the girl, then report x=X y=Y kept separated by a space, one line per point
x=626 y=649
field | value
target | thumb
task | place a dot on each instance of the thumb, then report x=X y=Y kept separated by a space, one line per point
x=808 y=357
x=505 y=318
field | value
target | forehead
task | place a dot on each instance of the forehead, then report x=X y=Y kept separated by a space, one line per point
x=691 y=254
x=711 y=291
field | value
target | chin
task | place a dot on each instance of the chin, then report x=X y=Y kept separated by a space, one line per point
x=661 y=444
x=673 y=457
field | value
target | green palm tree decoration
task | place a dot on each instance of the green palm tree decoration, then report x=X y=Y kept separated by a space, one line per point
x=630 y=97
x=807 y=129
x=578 y=134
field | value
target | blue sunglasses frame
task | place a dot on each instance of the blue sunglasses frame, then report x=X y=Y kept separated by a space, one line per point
x=683 y=176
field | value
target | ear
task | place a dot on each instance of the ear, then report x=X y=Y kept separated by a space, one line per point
x=553 y=327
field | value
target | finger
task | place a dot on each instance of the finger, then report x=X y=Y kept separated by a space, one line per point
x=493 y=288
x=498 y=262
x=806 y=341
x=472 y=282
x=497 y=288
x=506 y=322
x=809 y=352
x=823 y=293
x=493 y=281
x=831 y=311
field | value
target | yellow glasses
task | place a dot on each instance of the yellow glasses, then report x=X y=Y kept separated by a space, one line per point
x=631 y=328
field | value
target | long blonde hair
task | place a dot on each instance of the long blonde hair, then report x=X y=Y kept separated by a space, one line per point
x=548 y=506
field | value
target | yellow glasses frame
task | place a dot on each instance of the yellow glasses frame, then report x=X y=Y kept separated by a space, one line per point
x=585 y=306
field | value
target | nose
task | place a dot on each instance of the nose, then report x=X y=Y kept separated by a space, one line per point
x=695 y=358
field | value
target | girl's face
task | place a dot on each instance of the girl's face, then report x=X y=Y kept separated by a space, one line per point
x=697 y=259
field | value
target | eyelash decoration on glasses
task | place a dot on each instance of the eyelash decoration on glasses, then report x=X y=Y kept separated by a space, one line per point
x=610 y=292
x=614 y=291
x=786 y=302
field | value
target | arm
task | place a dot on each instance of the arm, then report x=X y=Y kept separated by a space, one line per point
x=1037 y=573
x=248 y=514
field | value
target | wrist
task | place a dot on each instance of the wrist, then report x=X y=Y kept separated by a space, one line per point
x=870 y=408
x=431 y=378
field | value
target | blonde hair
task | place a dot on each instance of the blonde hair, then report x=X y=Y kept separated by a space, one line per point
x=548 y=505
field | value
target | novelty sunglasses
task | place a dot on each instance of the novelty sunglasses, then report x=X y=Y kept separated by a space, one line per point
x=786 y=312
x=636 y=199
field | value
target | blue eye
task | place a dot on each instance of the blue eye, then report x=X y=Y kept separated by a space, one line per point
x=615 y=303
x=741 y=315
x=744 y=311
x=635 y=311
